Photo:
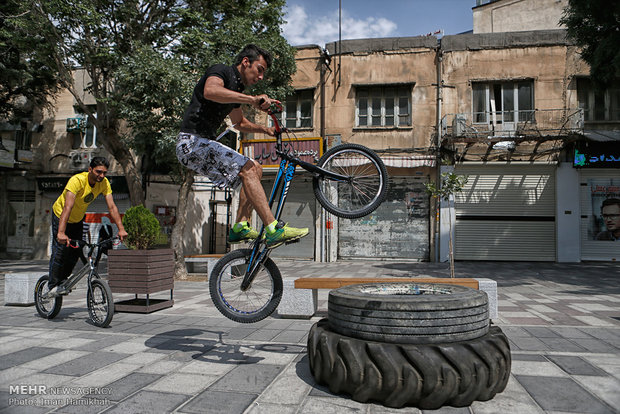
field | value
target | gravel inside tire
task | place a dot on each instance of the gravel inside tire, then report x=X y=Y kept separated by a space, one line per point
x=426 y=376
x=409 y=313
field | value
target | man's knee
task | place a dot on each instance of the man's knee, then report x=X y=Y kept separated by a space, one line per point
x=250 y=170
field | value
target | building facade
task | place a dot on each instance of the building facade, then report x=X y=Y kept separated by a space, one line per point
x=510 y=106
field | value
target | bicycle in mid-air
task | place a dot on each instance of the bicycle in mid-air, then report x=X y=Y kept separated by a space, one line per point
x=98 y=295
x=349 y=181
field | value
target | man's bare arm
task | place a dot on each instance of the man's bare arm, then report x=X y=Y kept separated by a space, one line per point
x=116 y=217
x=215 y=91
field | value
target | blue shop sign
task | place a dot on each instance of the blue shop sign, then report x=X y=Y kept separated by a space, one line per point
x=597 y=155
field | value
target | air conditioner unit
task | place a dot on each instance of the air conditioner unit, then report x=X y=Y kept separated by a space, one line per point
x=80 y=160
x=77 y=124
x=459 y=124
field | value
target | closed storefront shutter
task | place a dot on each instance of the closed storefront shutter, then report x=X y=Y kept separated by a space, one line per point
x=299 y=211
x=399 y=228
x=595 y=187
x=506 y=213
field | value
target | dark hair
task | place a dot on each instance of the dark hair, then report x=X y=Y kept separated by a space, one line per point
x=98 y=161
x=610 y=202
x=252 y=52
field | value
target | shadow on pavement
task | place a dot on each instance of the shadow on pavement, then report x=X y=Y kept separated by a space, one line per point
x=193 y=341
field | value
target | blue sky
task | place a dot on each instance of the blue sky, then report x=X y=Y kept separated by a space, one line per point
x=316 y=21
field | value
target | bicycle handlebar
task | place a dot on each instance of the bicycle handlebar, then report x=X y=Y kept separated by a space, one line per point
x=274 y=108
x=81 y=243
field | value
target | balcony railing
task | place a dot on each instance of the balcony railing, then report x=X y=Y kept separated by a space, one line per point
x=532 y=125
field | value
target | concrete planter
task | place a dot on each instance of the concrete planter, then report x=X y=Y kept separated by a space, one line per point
x=141 y=272
x=19 y=288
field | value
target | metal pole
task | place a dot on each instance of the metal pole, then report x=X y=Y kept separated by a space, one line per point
x=339 y=41
x=438 y=152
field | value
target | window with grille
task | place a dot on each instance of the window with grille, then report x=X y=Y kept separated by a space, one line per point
x=297 y=110
x=503 y=102
x=86 y=135
x=598 y=105
x=383 y=106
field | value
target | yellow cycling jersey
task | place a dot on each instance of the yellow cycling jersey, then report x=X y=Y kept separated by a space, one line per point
x=84 y=195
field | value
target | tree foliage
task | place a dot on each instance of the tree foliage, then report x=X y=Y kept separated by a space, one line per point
x=595 y=26
x=157 y=82
x=28 y=77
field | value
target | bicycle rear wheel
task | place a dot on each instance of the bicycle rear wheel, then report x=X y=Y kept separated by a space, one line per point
x=100 y=303
x=365 y=188
x=47 y=308
x=252 y=305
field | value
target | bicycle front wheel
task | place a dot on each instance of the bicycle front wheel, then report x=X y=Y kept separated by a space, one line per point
x=252 y=305
x=365 y=187
x=100 y=303
x=46 y=307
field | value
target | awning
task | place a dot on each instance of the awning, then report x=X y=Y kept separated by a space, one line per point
x=410 y=161
x=397 y=161
x=602 y=135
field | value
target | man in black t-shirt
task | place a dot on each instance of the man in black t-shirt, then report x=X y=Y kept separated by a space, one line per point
x=219 y=94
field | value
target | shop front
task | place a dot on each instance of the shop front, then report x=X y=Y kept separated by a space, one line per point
x=506 y=212
x=598 y=165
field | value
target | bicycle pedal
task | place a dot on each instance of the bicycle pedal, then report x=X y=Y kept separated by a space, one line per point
x=292 y=241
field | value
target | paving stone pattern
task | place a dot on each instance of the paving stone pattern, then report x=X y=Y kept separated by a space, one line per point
x=562 y=321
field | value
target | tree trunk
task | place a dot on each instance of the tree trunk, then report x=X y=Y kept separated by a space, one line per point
x=180 y=270
x=124 y=157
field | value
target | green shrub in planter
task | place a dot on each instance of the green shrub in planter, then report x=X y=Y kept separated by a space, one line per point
x=142 y=228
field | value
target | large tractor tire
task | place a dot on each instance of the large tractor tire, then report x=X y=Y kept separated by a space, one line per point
x=426 y=376
x=409 y=313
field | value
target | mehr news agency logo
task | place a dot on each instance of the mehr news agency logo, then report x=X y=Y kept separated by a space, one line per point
x=44 y=396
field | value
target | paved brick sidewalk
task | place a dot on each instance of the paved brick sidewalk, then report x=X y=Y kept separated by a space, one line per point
x=562 y=321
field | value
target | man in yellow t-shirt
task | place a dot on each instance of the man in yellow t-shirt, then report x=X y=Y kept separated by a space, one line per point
x=68 y=217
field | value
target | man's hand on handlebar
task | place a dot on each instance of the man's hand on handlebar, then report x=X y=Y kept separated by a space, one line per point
x=62 y=238
x=122 y=234
x=263 y=102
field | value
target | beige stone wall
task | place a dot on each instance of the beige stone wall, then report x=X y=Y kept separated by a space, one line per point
x=414 y=66
x=518 y=15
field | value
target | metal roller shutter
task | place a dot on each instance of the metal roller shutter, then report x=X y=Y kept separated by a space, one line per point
x=299 y=211
x=506 y=213
x=399 y=228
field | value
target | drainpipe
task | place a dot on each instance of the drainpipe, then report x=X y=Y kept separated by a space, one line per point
x=438 y=147
x=322 y=232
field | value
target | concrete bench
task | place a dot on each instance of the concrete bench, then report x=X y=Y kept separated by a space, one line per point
x=299 y=296
x=19 y=287
x=201 y=263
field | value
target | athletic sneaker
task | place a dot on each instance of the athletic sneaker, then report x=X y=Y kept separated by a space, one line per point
x=284 y=234
x=57 y=291
x=246 y=233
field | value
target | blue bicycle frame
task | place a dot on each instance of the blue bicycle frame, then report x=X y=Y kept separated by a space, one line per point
x=285 y=174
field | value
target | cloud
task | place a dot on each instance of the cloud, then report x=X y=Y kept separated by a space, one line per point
x=302 y=29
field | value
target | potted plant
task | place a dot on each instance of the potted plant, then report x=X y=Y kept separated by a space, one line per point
x=143 y=268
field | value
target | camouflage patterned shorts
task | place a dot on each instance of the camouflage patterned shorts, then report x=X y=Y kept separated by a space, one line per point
x=210 y=158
